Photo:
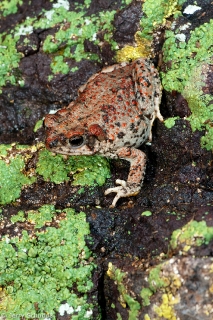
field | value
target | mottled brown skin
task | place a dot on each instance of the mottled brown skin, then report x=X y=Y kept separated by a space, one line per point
x=112 y=116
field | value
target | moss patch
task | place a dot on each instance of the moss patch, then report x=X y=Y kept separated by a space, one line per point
x=156 y=12
x=170 y=122
x=85 y=170
x=146 y=293
x=12 y=177
x=10 y=59
x=146 y=213
x=118 y=276
x=9 y=6
x=186 y=57
x=193 y=233
x=156 y=281
x=38 y=125
x=4 y=148
x=165 y=284
x=36 y=217
x=200 y=105
x=73 y=28
x=186 y=75
x=40 y=272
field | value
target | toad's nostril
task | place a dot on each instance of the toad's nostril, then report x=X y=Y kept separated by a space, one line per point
x=77 y=141
x=53 y=143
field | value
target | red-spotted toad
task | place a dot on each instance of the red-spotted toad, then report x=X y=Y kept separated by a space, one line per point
x=112 y=116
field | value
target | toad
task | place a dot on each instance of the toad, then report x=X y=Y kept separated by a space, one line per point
x=112 y=116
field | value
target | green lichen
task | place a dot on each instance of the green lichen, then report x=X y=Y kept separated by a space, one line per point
x=156 y=281
x=146 y=293
x=200 y=106
x=193 y=233
x=51 y=168
x=9 y=6
x=207 y=140
x=187 y=75
x=118 y=276
x=126 y=1
x=36 y=217
x=13 y=167
x=146 y=213
x=23 y=147
x=156 y=12
x=81 y=190
x=40 y=272
x=18 y=217
x=85 y=170
x=170 y=122
x=155 y=15
x=12 y=177
x=81 y=29
x=119 y=316
x=10 y=59
x=4 y=148
x=40 y=217
x=185 y=56
x=67 y=43
x=38 y=125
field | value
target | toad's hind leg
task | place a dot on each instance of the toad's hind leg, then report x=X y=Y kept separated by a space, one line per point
x=155 y=115
x=132 y=186
x=147 y=89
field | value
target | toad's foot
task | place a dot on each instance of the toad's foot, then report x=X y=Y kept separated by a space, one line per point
x=132 y=186
x=124 y=190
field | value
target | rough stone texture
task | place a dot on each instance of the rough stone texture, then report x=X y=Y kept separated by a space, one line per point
x=194 y=296
x=21 y=108
x=127 y=23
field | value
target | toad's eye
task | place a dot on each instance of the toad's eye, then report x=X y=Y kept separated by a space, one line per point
x=77 y=141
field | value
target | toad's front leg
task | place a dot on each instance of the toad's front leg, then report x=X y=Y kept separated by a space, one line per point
x=132 y=186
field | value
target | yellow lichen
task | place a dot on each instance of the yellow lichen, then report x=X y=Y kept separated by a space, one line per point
x=211 y=289
x=166 y=309
x=129 y=53
x=110 y=272
x=211 y=268
x=176 y=282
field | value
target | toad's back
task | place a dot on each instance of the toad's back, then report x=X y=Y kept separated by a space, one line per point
x=125 y=101
x=121 y=99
